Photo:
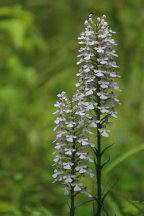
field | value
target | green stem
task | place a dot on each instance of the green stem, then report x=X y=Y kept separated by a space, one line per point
x=98 y=158
x=99 y=195
x=72 y=208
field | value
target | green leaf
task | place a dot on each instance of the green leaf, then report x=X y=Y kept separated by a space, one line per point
x=124 y=157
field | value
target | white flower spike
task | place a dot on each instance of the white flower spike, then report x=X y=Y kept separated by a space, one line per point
x=97 y=83
x=97 y=88
x=71 y=155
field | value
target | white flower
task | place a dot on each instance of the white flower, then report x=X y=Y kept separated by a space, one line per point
x=85 y=191
x=90 y=92
x=84 y=141
x=104 y=132
x=77 y=188
x=57 y=104
x=90 y=173
x=67 y=165
x=57 y=173
x=93 y=124
x=68 y=178
x=70 y=124
x=77 y=185
x=58 y=158
x=70 y=138
x=66 y=190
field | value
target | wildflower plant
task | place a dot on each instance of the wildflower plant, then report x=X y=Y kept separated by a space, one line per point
x=97 y=87
x=71 y=141
x=89 y=113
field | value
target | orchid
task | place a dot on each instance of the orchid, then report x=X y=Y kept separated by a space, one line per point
x=97 y=76
x=88 y=113
x=70 y=144
x=96 y=87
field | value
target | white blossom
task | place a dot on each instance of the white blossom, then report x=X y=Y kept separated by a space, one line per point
x=97 y=74
x=85 y=191
x=66 y=190
x=70 y=143
x=77 y=186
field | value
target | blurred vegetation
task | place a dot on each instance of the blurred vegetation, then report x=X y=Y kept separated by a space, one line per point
x=38 y=49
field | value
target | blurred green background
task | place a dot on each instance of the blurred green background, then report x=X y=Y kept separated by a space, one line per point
x=38 y=49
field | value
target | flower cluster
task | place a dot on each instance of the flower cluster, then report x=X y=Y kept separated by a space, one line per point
x=71 y=142
x=92 y=106
x=97 y=74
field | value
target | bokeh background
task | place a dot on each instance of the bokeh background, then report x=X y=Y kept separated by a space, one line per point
x=38 y=49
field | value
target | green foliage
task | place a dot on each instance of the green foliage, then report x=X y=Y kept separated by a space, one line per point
x=38 y=49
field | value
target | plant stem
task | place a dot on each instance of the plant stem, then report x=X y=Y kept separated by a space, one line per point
x=72 y=209
x=99 y=197
x=98 y=159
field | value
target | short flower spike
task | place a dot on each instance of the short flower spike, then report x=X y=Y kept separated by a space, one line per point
x=70 y=146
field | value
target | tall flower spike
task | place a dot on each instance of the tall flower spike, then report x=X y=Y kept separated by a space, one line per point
x=97 y=74
x=71 y=142
x=96 y=87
